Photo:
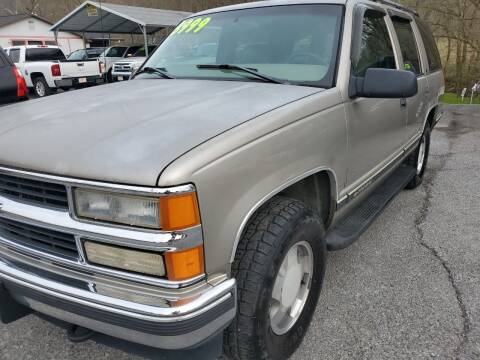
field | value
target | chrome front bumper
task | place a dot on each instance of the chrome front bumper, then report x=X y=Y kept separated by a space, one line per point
x=142 y=309
x=108 y=309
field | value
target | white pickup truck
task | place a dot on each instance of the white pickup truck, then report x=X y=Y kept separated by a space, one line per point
x=47 y=69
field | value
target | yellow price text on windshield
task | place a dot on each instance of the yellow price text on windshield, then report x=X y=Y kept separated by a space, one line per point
x=192 y=26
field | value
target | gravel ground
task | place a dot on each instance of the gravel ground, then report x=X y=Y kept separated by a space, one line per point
x=409 y=289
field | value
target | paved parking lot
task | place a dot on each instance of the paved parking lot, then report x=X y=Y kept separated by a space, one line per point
x=409 y=289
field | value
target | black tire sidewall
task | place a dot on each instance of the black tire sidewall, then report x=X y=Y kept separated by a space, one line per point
x=281 y=347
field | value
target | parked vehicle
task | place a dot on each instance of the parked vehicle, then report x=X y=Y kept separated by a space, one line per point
x=46 y=69
x=205 y=194
x=123 y=69
x=12 y=84
x=115 y=53
x=85 y=54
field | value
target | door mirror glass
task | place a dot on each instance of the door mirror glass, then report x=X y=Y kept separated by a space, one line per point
x=384 y=83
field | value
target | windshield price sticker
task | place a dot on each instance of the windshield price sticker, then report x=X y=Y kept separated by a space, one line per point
x=192 y=26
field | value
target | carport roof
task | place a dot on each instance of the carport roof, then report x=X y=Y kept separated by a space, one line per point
x=117 y=19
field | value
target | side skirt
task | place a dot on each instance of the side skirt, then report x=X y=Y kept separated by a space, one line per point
x=349 y=229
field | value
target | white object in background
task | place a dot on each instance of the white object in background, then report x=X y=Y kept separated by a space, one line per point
x=464 y=91
x=475 y=88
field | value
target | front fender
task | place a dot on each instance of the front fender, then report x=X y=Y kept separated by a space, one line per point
x=236 y=172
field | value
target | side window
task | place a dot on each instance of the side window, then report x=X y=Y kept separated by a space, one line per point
x=2 y=62
x=433 y=56
x=376 y=48
x=408 y=45
x=14 y=55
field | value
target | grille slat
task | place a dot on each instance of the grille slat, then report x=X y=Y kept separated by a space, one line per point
x=34 y=191
x=50 y=241
x=59 y=240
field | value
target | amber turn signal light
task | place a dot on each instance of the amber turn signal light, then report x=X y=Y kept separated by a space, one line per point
x=179 y=211
x=184 y=264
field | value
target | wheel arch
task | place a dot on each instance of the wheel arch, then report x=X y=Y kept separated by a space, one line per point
x=431 y=116
x=321 y=181
x=36 y=75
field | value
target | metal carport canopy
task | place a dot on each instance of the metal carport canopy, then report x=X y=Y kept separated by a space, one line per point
x=118 y=19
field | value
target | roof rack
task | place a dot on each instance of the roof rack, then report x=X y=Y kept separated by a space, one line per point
x=397 y=6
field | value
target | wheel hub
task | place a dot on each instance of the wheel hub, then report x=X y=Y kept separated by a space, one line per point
x=291 y=288
x=40 y=89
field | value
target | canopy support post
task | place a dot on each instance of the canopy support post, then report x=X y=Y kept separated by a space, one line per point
x=56 y=36
x=145 y=39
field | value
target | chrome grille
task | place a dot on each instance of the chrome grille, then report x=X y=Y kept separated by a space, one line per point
x=38 y=238
x=122 y=68
x=34 y=191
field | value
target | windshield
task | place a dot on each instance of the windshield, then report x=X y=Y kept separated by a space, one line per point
x=116 y=51
x=141 y=52
x=85 y=54
x=78 y=55
x=296 y=44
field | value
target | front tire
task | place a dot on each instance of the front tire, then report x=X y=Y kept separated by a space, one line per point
x=419 y=159
x=279 y=267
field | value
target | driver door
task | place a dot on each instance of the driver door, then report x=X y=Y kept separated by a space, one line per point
x=376 y=127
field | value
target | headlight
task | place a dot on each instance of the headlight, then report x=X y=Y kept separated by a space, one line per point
x=117 y=208
x=169 y=212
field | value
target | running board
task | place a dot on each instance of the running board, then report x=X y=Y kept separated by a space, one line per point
x=349 y=229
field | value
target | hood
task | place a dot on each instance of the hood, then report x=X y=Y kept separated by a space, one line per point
x=132 y=60
x=129 y=132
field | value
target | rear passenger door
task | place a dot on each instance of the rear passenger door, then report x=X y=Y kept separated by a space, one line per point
x=417 y=106
x=376 y=127
x=433 y=65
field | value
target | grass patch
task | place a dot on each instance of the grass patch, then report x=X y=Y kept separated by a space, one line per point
x=452 y=98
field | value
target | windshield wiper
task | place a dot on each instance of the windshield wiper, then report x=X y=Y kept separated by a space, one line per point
x=153 y=70
x=250 y=71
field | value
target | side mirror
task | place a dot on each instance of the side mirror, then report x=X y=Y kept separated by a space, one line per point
x=384 y=83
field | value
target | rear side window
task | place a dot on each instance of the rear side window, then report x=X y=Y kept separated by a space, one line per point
x=44 y=54
x=14 y=55
x=431 y=49
x=376 y=48
x=408 y=45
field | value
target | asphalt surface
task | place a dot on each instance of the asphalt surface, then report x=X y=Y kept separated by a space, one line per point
x=408 y=289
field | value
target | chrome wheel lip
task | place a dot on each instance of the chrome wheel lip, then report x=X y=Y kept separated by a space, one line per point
x=40 y=89
x=421 y=154
x=288 y=299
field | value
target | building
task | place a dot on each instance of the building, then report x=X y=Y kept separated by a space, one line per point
x=24 y=29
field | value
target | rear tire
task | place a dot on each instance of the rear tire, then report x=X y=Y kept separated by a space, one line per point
x=41 y=88
x=284 y=231
x=419 y=159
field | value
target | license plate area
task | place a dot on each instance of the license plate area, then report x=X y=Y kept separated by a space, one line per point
x=82 y=80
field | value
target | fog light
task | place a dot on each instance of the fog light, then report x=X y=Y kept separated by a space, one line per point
x=117 y=257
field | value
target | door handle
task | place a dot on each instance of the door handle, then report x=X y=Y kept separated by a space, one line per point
x=403 y=103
